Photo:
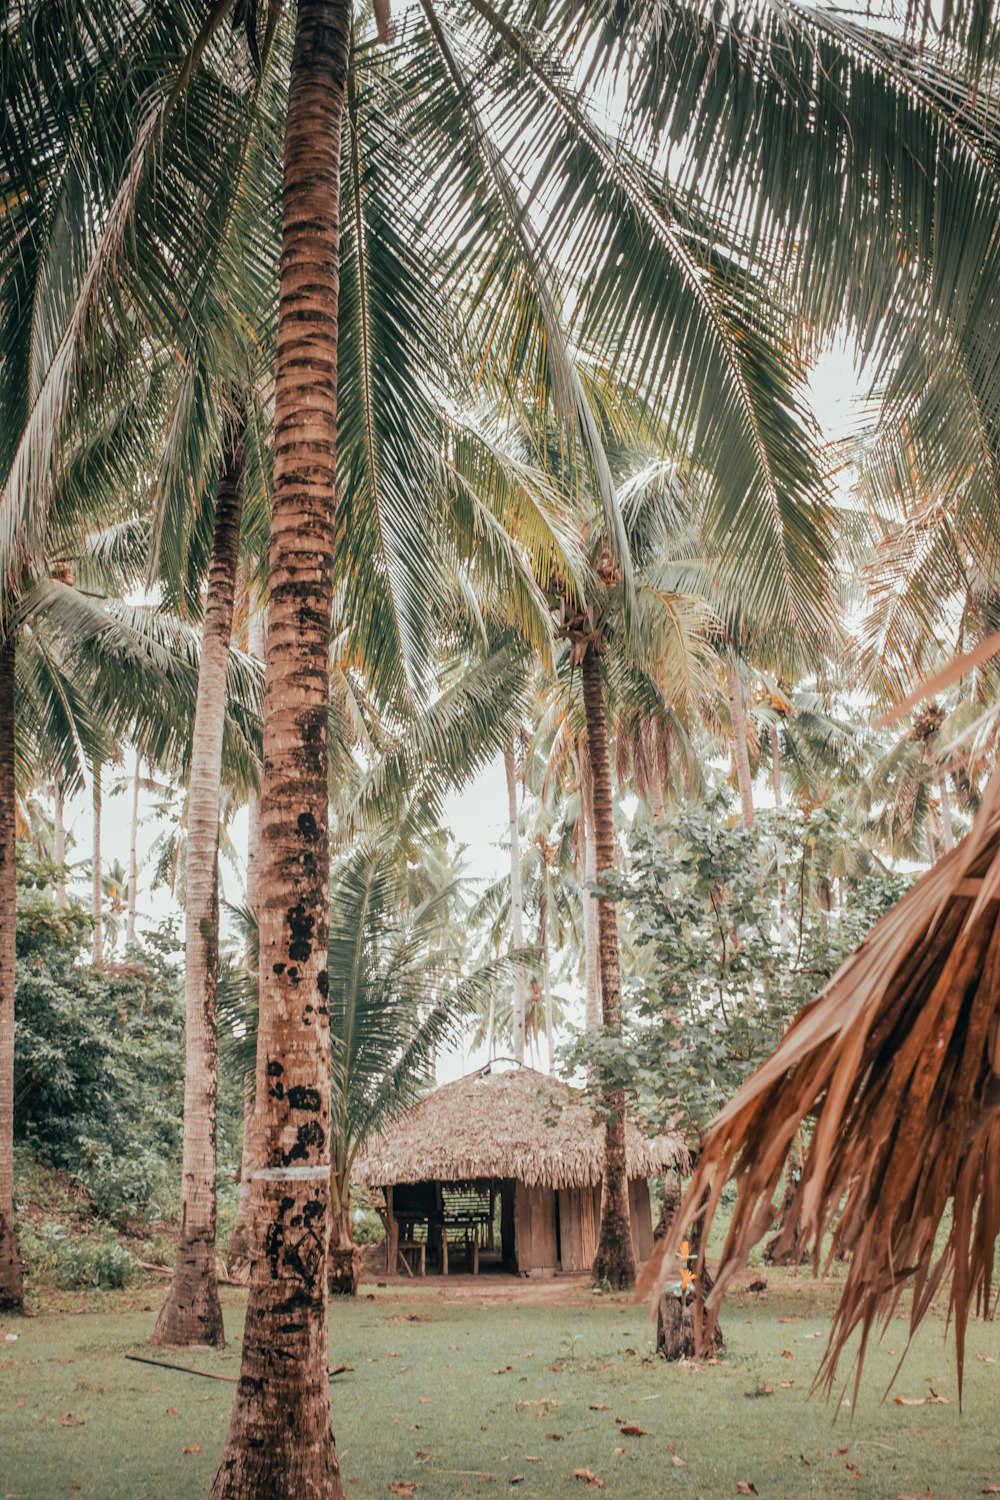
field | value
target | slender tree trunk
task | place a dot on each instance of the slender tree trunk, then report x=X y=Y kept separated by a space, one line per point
x=947 y=828
x=280 y=1441
x=615 y=1260
x=779 y=846
x=133 y=854
x=192 y=1313
x=656 y=804
x=741 y=753
x=591 y=960
x=97 y=889
x=516 y=905
x=11 y=1285
x=241 y=1244
x=59 y=840
x=543 y=944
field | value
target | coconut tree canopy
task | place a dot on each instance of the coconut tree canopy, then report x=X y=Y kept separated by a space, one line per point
x=518 y=1123
x=897 y=1063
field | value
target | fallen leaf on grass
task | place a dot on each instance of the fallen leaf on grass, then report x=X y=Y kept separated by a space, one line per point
x=421 y=1453
x=517 y=1479
x=171 y=1411
x=677 y=1462
x=600 y=1406
x=853 y=1470
x=746 y=1487
x=590 y=1478
x=786 y=1385
x=837 y=1452
x=532 y=1458
x=544 y=1401
x=629 y=1429
x=70 y=1421
x=503 y=1370
x=554 y=1437
x=787 y=1354
x=194 y=1448
x=932 y=1400
x=990 y=1489
x=413 y=1427
x=403 y=1489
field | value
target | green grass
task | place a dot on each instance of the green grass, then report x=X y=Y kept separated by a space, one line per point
x=77 y=1419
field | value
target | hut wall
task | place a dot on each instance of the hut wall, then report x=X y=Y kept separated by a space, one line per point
x=535 y=1230
x=577 y=1229
x=642 y=1218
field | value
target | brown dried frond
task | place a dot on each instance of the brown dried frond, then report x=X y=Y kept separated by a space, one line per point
x=898 y=1064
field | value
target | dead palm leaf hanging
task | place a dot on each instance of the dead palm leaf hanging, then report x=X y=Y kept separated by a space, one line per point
x=897 y=1063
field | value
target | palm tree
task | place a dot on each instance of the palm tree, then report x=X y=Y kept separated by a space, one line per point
x=639 y=233
x=192 y=1313
x=11 y=1287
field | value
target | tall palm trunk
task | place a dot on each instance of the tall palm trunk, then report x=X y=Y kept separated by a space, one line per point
x=133 y=854
x=59 y=840
x=591 y=960
x=11 y=1287
x=97 y=888
x=947 y=829
x=192 y=1313
x=543 y=947
x=741 y=754
x=240 y=1245
x=615 y=1260
x=280 y=1440
x=516 y=903
x=779 y=846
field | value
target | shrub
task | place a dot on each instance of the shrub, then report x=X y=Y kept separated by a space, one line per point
x=69 y=1262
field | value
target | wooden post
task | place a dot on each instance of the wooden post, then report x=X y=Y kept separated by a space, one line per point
x=391 y=1233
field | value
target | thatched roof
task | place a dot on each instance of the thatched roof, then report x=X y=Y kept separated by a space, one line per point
x=519 y=1124
x=898 y=1064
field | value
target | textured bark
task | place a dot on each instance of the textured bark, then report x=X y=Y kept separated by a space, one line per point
x=241 y=1244
x=615 y=1259
x=97 y=868
x=11 y=1285
x=741 y=754
x=670 y=1202
x=133 y=854
x=516 y=904
x=59 y=840
x=591 y=960
x=280 y=1441
x=192 y=1313
x=779 y=847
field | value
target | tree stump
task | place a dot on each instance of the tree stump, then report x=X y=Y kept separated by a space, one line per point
x=344 y=1270
x=675 y=1332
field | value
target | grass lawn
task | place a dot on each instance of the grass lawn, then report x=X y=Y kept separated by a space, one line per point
x=459 y=1396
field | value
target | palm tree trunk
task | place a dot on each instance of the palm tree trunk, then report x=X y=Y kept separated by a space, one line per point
x=591 y=961
x=741 y=754
x=615 y=1260
x=97 y=890
x=543 y=945
x=59 y=840
x=11 y=1285
x=240 y=1251
x=133 y=855
x=280 y=1440
x=779 y=847
x=947 y=829
x=192 y=1313
x=516 y=904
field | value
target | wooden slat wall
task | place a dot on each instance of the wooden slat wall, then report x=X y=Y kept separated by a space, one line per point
x=535 y=1229
x=577 y=1229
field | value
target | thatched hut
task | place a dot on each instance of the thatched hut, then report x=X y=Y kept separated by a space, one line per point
x=505 y=1167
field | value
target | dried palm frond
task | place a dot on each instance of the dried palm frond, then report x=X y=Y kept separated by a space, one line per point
x=897 y=1062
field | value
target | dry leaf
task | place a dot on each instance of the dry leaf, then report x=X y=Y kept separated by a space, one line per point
x=745 y=1487
x=554 y=1437
x=403 y=1489
x=590 y=1478
x=677 y=1462
x=194 y=1448
x=70 y=1421
x=786 y=1385
x=600 y=1406
x=503 y=1369
x=517 y=1479
x=616 y=1452
x=171 y=1411
x=787 y=1354
x=629 y=1429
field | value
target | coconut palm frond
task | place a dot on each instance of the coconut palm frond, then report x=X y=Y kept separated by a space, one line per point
x=897 y=1062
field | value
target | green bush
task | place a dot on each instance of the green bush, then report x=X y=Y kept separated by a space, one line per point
x=58 y=1258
